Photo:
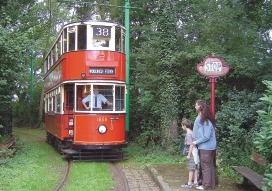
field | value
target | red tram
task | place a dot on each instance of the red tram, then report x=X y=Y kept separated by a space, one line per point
x=85 y=91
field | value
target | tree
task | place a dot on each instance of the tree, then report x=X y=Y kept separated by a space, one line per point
x=163 y=64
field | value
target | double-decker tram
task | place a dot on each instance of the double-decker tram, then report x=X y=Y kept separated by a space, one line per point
x=85 y=91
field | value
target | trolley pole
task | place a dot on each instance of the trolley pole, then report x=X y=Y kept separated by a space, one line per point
x=31 y=77
x=127 y=7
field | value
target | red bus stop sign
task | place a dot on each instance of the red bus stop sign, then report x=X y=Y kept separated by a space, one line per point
x=213 y=67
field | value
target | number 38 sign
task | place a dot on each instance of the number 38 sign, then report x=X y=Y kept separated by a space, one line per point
x=213 y=67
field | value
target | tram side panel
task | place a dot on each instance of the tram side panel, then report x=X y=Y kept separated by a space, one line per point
x=54 y=124
x=87 y=129
x=105 y=65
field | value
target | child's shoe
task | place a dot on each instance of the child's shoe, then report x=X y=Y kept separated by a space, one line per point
x=186 y=186
x=195 y=185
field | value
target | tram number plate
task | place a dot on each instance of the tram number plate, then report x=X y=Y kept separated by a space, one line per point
x=213 y=66
x=102 y=31
x=102 y=71
x=101 y=119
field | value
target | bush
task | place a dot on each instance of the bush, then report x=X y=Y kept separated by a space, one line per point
x=263 y=139
x=236 y=127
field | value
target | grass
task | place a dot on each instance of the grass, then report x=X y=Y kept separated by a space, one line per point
x=38 y=167
x=151 y=156
x=89 y=176
x=30 y=168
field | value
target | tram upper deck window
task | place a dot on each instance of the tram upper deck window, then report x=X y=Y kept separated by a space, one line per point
x=119 y=39
x=101 y=36
x=59 y=48
x=64 y=40
x=82 y=37
x=71 y=38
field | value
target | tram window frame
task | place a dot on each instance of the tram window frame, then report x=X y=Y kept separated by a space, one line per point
x=120 y=93
x=50 y=104
x=82 y=90
x=51 y=58
x=64 y=39
x=49 y=61
x=54 y=103
x=68 y=97
x=123 y=39
x=82 y=37
x=99 y=41
x=58 y=103
x=59 y=47
x=71 y=34
x=119 y=39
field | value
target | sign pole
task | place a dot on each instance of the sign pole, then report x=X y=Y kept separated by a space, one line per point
x=213 y=82
x=127 y=7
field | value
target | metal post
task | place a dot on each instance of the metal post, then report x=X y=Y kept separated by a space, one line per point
x=31 y=76
x=127 y=7
x=213 y=81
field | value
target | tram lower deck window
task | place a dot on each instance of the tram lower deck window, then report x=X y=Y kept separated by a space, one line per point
x=97 y=97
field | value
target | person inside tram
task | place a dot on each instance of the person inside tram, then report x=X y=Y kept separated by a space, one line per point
x=98 y=99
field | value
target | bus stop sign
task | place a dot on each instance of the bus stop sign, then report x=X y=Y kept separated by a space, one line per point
x=213 y=67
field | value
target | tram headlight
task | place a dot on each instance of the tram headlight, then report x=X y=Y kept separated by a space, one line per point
x=102 y=129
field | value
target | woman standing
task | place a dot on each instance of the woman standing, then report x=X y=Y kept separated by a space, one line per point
x=205 y=140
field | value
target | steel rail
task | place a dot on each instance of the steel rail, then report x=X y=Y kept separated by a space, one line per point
x=118 y=171
x=65 y=176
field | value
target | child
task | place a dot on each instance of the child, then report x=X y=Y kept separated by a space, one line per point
x=192 y=163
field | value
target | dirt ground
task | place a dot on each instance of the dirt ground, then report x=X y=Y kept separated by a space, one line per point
x=176 y=174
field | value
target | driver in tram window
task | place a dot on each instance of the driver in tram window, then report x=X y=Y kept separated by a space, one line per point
x=98 y=99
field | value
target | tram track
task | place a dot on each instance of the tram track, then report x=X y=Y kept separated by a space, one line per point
x=121 y=182
x=65 y=176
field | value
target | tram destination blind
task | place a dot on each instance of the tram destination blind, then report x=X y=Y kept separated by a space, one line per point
x=102 y=31
x=102 y=71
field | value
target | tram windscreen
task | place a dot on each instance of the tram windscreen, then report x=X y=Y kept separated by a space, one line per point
x=97 y=97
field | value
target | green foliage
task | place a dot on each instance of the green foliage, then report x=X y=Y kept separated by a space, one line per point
x=151 y=155
x=263 y=139
x=24 y=113
x=235 y=126
x=169 y=39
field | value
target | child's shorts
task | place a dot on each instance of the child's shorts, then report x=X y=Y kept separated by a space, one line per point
x=191 y=164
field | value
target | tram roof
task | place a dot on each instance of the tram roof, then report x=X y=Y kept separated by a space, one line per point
x=93 y=22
